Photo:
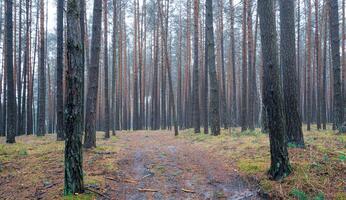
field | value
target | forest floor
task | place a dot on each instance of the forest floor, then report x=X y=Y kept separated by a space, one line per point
x=156 y=165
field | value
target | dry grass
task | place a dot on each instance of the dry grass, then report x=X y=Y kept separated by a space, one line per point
x=319 y=169
x=34 y=167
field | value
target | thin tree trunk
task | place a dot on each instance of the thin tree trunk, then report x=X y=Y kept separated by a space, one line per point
x=59 y=71
x=41 y=114
x=93 y=74
x=105 y=63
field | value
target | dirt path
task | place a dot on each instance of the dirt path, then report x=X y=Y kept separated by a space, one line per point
x=174 y=168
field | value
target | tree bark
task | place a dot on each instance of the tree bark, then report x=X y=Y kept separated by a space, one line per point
x=73 y=119
x=11 y=102
x=288 y=59
x=214 y=88
x=41 y=113
x=335 y=43
x=59 y=71
x=273 y=99
x=93 y=74
x=105 y=65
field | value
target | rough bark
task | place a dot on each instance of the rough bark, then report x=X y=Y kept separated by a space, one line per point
x=59 y=71
x=105 y=65
x=335 y=45
x=288 y=59
x=195 y=95
x=93 y=74
x=11 y=102
x=41 y=110
x=73 y=119
x=214 y=111
x=273 y=99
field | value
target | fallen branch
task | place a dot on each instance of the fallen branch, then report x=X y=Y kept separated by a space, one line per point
x=125 y=180
x=96 y=192
x=146 y=190
x=187 y=191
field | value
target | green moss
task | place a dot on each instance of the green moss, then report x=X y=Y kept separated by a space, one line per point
x=252 y=166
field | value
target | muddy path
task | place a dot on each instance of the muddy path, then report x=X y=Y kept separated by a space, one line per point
x=157 y=165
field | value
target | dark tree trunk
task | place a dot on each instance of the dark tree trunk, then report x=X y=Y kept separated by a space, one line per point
x=334 y=37
x=41 y=114
x=105 y=65
x=93 y=74
x=273 y=99
x=288 y=59
x=214 y=88
x=195 y=95
x=73 y=119
x=11 y=102
x=59 y=71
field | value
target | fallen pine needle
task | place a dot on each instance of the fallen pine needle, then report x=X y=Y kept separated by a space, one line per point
x=187 y=191
x=146 y=190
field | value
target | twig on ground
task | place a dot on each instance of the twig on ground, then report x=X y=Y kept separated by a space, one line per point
x=96 y=192
x=124 y=180
x=146 y=190
x=187 y=191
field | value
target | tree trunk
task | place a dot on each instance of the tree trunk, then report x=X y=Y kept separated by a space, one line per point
x=59 y=71
x=73 y=119
x=195 y=95
x=93 y=74
x=288 y=59
x=334 y=37
x=244 y=122
x=105 y=63
x=11 y=102
x=214 y=89
x=41 y=113
x=273 y=99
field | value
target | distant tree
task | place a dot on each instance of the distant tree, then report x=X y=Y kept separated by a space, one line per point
x=73 y=107
x=234 y=83
x=273 y=99
x=11 y=102
x=308 y=68
x=93 y=74
x=41 y=110
x=335 y=44
x=214 y=112
x=195 y=95
x=20 y=124
x=288 y=59
x=244 y=124
x=105 y=65
x=59 y=71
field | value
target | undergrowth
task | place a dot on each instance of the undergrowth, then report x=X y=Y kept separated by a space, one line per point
x=317 y=168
